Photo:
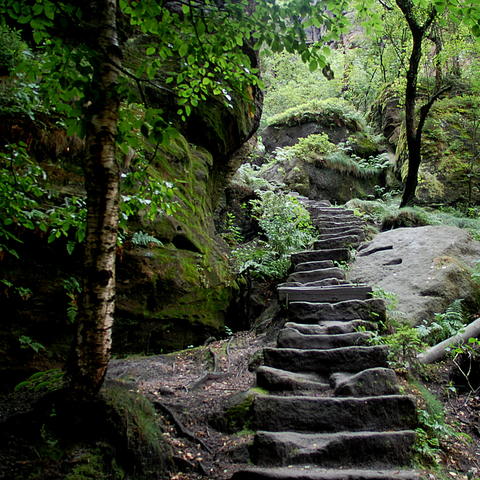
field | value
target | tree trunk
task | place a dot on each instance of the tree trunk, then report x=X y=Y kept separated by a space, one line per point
x=413 y=134
x=91 y=352
x=413 y=145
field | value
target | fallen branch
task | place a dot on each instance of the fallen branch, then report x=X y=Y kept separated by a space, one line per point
x=439 y=351
x=181 y=429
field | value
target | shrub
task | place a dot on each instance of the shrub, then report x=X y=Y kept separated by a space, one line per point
x=286 y=227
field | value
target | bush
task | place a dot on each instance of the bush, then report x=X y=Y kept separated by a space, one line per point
x=286 y=227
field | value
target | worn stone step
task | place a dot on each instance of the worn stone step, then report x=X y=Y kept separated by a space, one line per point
x=341 y=359
x=314 y=275
x=275 y=379
x=338 y=241
x=329 y=293
x=324 y=225
x=372 y=309
x=292 y=338
x=333 y=414
x=303 y=267
x=332 y=327
x=370 y=382
x=341 y=229
x=358 y=232
x=331 y=210
x=312 y=473
x=336 y=254
x=320 y=217
x=318 y=283
x=344 y=449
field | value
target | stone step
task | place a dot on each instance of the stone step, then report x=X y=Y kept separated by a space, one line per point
x=332 y=327
x=337 y=230
x=313 y=473
x=329 y=293
x=338 y=241
x=333 y=414
x=330 y=210
x=341 y=359
x=370 y=382
x=324 y=225
x=358 y=232
x=322 y=217
x=314 y=275
x=318 y=283
x=303 y=267
x=345 y=449
x=335 y=254
x=372 y=310
x=291 y=338
x=274 y=379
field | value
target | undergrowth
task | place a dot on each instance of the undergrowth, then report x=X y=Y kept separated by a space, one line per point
x=388 y=215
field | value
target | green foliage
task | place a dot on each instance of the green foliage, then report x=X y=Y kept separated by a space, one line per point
x=232 y=233
x=46 y=381
x=318 y=150
x=471 y=352
x=139 y=428
x=432 y=428
x=142 y=239
x=287 y=228
x=248 y=175
x=331 y=111
x=72 y=289
x=387 y=214
x=27 y=342
x=404 y=345
x=444 y=325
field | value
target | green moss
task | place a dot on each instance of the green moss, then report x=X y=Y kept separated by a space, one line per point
x=188 y=280
x=139 y=431
x=237 y=417
x=331 y=111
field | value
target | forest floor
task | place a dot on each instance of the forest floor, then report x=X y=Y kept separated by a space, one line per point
x=190 y=389
x=195 y=384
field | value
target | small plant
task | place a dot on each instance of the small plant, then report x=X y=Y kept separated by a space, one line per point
x=391 y=299
x=27 y=342
x=286 y=228
x=432 y=427
x=72 y=289
x=142 y=239
x=470 y=351
x=232 y=234
x=444 y=325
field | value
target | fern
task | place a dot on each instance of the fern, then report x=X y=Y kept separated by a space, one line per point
x=444 y=325
x=142 y=239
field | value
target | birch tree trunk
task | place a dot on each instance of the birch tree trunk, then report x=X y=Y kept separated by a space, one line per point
x=91 y=352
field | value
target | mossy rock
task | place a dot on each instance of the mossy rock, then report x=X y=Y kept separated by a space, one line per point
x=449 y=172
x=236 y=415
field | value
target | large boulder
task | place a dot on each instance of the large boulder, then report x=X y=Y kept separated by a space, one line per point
x=425 y=267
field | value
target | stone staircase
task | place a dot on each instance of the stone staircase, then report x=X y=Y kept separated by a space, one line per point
x=333 y=411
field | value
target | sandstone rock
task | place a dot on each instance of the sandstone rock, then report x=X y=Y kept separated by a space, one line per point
x=373 y=381
x=425 y=267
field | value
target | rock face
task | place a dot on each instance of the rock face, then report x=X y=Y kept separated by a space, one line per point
x=425 y=267
x=334 y=173
x=168 y=296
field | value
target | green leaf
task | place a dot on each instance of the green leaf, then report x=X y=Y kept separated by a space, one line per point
x=150 y=50
x=182 y=51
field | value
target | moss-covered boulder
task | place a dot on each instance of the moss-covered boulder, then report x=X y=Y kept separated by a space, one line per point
x=334 y=117
x=319 y=169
